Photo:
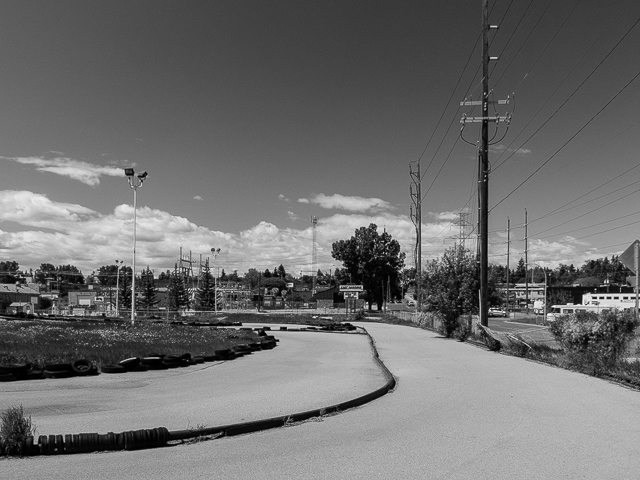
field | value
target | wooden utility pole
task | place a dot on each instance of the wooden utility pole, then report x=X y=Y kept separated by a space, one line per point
x=526 y=263
x=483 y=167
x=416 y=197
x=483 y=163
x=508 y=247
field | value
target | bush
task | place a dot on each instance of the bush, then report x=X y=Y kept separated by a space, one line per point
x=15 y=427
x=594 y=342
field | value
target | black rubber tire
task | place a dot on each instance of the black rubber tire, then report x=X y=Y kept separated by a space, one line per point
x=82 y=367
x=59 y=444
x=14 y=368
x=130 y=363
x=43 y=442
x=185 y=356
x=210 y=358
x=283 y=329
x=68 y=444
x=58 y=367
x=34 y=374
x=57 y=373
x=8 y=377
x=155 y=360
x=112 y=368
x=198 y=359
x=169 y=364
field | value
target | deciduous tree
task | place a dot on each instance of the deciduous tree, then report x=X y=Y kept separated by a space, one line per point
x=451 y=286
x=371 y=259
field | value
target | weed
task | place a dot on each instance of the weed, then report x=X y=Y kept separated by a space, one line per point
x=15 y=427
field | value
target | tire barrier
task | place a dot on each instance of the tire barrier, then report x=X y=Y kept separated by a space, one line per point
x=276 y=422
x=159 y=437
x=94 y=442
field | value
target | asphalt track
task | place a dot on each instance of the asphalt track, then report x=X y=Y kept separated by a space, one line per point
x=458 y=412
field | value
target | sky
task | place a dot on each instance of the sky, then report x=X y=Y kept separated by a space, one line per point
x=251 y=117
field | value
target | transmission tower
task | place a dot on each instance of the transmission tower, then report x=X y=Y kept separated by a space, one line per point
x=185 y=269
x=463 y=223
x=314 y=255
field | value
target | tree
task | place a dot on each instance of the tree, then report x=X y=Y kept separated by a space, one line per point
x=520 y=274
x=9 y=272
x=281 y=272
x=451 y=286
x=233 y=277
x=206 y=294
x=124 y=300
x=178 y=293
x=252 y=278
x=149 y=290
x=45 y=272
x=371 y=259
x=267 y=273
x=107 y=275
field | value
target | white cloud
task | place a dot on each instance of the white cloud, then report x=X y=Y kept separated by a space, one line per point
x=292 y=215
x=283 y=198
x=198 y=197
x=37 y=229
x=351 y=204
x=500 y=148
x=67 y=167
x=449 y=216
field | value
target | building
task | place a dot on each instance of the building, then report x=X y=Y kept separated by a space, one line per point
x=518 y=294
x=11 y=293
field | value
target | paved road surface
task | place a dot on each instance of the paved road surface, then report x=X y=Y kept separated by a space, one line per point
x=458 y=412
x=298 y=375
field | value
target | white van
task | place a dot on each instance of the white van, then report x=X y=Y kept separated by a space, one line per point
x=560 y=310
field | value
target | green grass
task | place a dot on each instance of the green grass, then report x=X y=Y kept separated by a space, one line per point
x=39 y=342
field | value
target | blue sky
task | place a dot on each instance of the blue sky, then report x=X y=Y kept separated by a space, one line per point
x=252 y=116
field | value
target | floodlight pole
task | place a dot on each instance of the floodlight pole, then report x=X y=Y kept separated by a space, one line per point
x=135 y=182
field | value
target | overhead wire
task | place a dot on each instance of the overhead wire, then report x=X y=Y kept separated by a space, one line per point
x=572 y=136
x=587 y=51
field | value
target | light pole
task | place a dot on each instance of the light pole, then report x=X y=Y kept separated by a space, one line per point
x=135 y=182
x=215 y=252
x=118 y=265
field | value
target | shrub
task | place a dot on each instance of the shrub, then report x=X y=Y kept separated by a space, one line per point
x=15 y=427
x=594 y=342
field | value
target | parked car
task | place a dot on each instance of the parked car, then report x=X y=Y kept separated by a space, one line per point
x=497 y=312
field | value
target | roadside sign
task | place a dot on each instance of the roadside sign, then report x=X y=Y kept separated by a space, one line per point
x=628 y=257
x=290 y=285
x=351 y=288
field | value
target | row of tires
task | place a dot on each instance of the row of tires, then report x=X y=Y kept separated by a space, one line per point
x=164 y=362
x=94 y=442
x=25 y=371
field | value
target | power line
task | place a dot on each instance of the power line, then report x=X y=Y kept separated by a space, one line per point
x=587 y=51
x=572 y=136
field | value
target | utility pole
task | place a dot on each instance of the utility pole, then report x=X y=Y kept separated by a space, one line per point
x=314 y=255
x=416 y=218
x=526 y=263
x=508 y=247
x=483 y=162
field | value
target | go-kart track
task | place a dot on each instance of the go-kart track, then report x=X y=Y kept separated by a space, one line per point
x=457 y=412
